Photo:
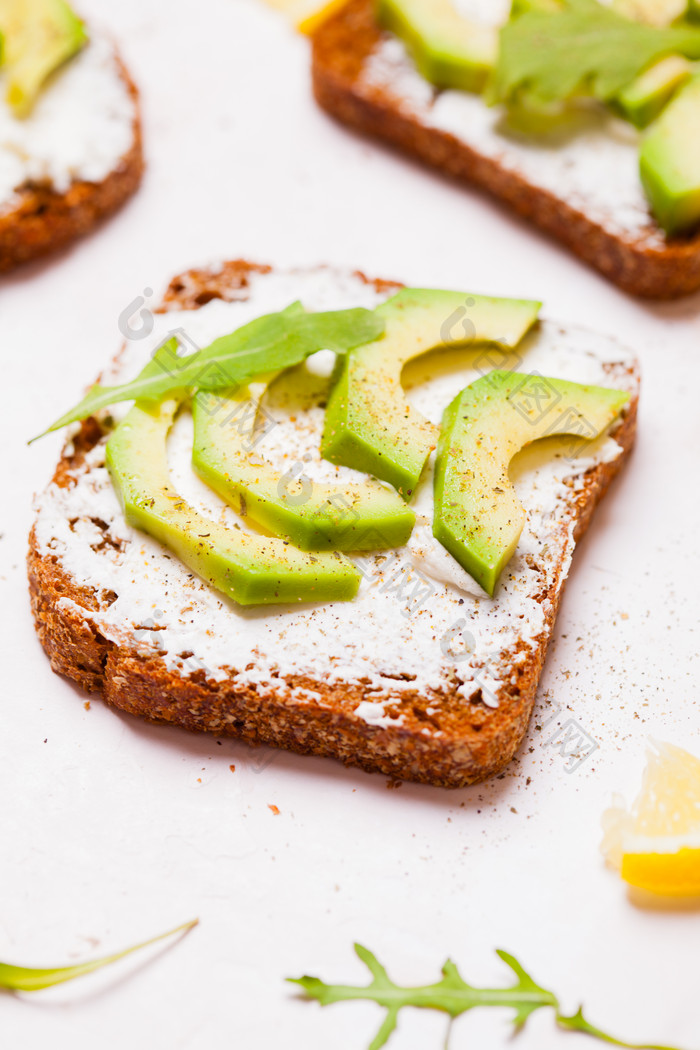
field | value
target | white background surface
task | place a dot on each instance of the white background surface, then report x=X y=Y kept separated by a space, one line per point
x=113 y=831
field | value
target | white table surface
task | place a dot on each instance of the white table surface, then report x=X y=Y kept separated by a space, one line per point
x=113 y=830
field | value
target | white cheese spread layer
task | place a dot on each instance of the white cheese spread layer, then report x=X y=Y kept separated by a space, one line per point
x=79 y=129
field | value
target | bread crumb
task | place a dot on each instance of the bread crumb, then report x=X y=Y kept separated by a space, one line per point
x=274 y=809
x=86 y=705
x=232 y=768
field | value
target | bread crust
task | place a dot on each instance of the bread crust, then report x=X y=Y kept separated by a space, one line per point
x=341 y=47
x=45 y=221
x=475 y=741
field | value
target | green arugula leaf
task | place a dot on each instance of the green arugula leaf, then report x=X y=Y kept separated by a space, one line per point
x=267 y=344
x=578 y=1023
x=25 y=979
x=585 y=48
x=453 y=996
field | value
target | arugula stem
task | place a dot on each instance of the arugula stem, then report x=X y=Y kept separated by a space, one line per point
x=26 y=979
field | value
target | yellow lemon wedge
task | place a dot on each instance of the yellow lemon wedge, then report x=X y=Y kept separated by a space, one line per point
x=306 y=15
x=656 y=845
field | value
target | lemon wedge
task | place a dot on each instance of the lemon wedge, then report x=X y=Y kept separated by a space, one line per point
x=306 y=15
x=656 y=845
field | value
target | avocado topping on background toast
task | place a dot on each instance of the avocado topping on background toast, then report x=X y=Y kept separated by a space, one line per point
x=631 y=56
x=38 y=36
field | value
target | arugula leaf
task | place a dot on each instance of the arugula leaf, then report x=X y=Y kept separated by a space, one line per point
x=578 y=1023
x=550 y=56
x=25 y=979
x=454 y=996
x=267 y=344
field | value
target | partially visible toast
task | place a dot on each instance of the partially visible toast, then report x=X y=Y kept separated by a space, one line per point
x=40 y=220
x=416 y=678
x=363 y=77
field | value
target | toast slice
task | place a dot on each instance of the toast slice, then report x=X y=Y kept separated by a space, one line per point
x=586 y=191
x=81 y=155
x=422 y=676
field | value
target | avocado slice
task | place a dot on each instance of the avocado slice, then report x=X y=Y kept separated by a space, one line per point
x=38 y=36
x=326 y=517
x=369 y=424
x=449 y=50
x=642 y=100
x=478 y=517
x=670 y=161
x=252 y=570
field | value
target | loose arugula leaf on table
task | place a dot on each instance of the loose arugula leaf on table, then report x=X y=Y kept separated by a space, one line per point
x=585 y=48
x=453 y=996
x=268 y=344
x=578 y=1023
x=26 y=979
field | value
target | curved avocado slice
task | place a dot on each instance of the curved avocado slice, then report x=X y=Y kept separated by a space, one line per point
x=448 y=50
x=38 y=36
x=369 y=424
x=312 y=516
x=478 y=517
x=252 y=570
x=642 y=100
x=670 y=161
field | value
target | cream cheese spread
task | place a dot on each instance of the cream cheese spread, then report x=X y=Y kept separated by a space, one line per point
x=79 y=129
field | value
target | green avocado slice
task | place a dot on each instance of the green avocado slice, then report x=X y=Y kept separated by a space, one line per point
x=449 y=50
x=642 y=100
x=38 y=36
x=670 y=161
x=250 y=569
x=478 y=517
x=369 y=424
x=313 y=516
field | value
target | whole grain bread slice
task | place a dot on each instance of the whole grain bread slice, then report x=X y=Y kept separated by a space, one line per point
x=449 y=733
x=42 y=220
x=392 y=107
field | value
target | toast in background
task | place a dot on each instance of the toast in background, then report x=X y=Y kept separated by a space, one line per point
x=585 y=192
x=70 y=127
